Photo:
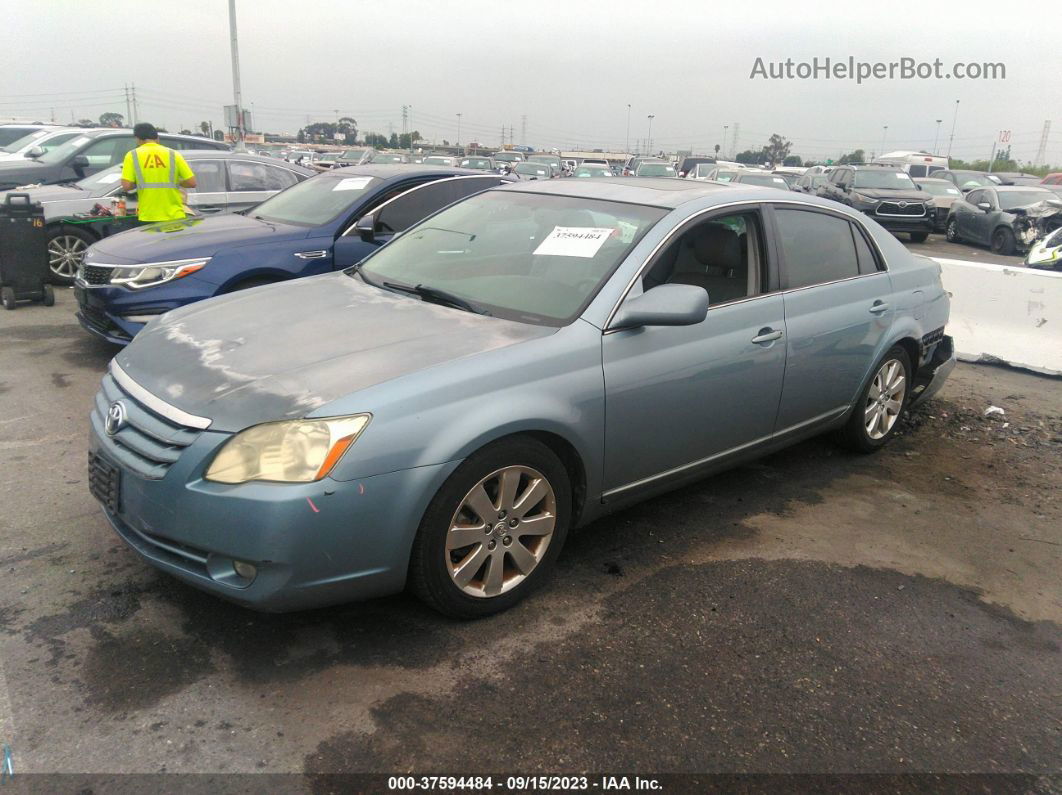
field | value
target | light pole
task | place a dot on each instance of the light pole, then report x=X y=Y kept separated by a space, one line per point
x=725 y=127
x=936 y=136
x=411 y=136
x=458 y=129
x=240 y=147
x=649 y=139
x=954 y=119
x=627 y=144
x=884 y=132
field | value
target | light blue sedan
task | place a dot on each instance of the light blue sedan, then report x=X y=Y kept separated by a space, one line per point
x=441 y=415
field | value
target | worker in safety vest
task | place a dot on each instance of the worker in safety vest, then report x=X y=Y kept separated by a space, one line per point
x=157 y=173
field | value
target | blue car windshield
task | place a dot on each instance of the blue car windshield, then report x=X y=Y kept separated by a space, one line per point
x=530 y=257
x=316 y=201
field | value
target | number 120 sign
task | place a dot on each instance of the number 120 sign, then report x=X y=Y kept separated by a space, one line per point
x=1004 y=136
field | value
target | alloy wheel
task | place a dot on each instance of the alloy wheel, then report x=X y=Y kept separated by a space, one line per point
x=885 y=399
x=501 y=531
x=65 y=253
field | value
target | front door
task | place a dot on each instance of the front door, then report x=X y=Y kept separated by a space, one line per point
x=678 y=397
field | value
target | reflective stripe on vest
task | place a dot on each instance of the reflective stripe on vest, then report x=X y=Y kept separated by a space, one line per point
x=140 y=174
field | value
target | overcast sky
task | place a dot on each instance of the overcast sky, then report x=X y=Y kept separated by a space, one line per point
x=570 y=67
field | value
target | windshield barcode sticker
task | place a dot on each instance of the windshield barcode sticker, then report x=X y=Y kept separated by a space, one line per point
x=107 y=179
x=573 y=241
x=352 y=183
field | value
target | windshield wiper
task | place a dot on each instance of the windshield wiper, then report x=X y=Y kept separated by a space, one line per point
x=437 y=295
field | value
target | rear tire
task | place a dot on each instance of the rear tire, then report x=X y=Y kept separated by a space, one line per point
x=876 y=414
x=1003 y=242
x=511 y=502
x=7 y=297
x=919 y=237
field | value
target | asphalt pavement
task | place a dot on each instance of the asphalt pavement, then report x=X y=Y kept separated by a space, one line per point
x=814 y=612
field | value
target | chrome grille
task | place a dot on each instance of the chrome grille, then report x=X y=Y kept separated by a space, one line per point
x=95 y=274
x=894 y=208
x=148 y=444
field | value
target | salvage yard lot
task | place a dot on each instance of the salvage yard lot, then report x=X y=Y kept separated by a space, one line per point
x=816 y=611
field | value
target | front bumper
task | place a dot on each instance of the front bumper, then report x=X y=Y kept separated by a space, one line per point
x=312 y=543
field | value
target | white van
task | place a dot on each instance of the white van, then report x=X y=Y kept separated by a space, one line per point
x=916 y=164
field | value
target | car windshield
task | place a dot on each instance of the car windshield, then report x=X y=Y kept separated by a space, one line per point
x=388 y=158
x=352 y=154
x=61 y=153
x=941 y=188
x=886 y=178
x=1009 y=199
x=534 y=258
x=767 y=180
x=510 y=157
x=553 y=161
x=475 y=162
x=102 y=181
x=438 y=160
x=971 y=179
x=315 y=201
x=655 y=170
x=534 y=169
x=592 y=171
x=26 y=140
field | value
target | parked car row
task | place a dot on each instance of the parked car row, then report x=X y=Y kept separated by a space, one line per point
x=431 y=413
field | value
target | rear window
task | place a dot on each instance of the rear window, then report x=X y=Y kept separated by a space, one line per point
x=817 y=247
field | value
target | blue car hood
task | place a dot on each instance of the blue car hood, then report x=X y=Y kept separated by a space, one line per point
x=285 y=350
x=192 y=237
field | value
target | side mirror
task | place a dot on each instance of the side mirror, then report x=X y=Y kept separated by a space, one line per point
x=35 y=151
x=666 y=305
x=80 y=161
x=984 y=206
x=919 y=187
x=366 y=228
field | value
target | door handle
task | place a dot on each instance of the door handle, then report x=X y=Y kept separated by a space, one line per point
x=767 y=335
x=879 y=307
x=319 y=254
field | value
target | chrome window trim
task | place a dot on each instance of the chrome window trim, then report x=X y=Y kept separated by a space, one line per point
x=156 y=404
x=418 y=187
x=716 y=456
x=743 y=203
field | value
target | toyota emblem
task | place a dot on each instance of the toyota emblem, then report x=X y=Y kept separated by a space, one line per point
x=115 y=418
x=903 y=204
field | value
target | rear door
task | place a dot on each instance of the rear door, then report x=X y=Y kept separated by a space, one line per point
x=208 y=197
x=838 y=306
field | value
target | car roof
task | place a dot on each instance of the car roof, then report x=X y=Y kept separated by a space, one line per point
x=1016 y=188
x=653 y=191
x=396 y=170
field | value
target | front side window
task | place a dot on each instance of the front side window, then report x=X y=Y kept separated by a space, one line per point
x=723 y=255
x=534 y=258
x=816 y=247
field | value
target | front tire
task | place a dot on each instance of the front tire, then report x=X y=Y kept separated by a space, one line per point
x=875 y=416
x=66 y=249
x=1003 y=242
x=493 y=532
x=919 y=237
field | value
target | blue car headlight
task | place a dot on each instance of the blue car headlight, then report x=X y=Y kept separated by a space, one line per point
x=153 y=274
x=293 y=451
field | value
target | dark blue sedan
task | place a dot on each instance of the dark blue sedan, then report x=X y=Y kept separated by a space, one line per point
x=326 y=223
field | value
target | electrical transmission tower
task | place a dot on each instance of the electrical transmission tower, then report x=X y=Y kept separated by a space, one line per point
x=1041 y=153
x=523 y=130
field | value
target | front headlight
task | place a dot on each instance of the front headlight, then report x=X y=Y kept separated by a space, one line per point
x=293 y=451
x=865 y=199
x=157 y=273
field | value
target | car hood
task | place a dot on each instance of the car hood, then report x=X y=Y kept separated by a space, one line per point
x=887 y=194
x=23 y=171
x=51 y=193
x=285 y=350
x=192 y=237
